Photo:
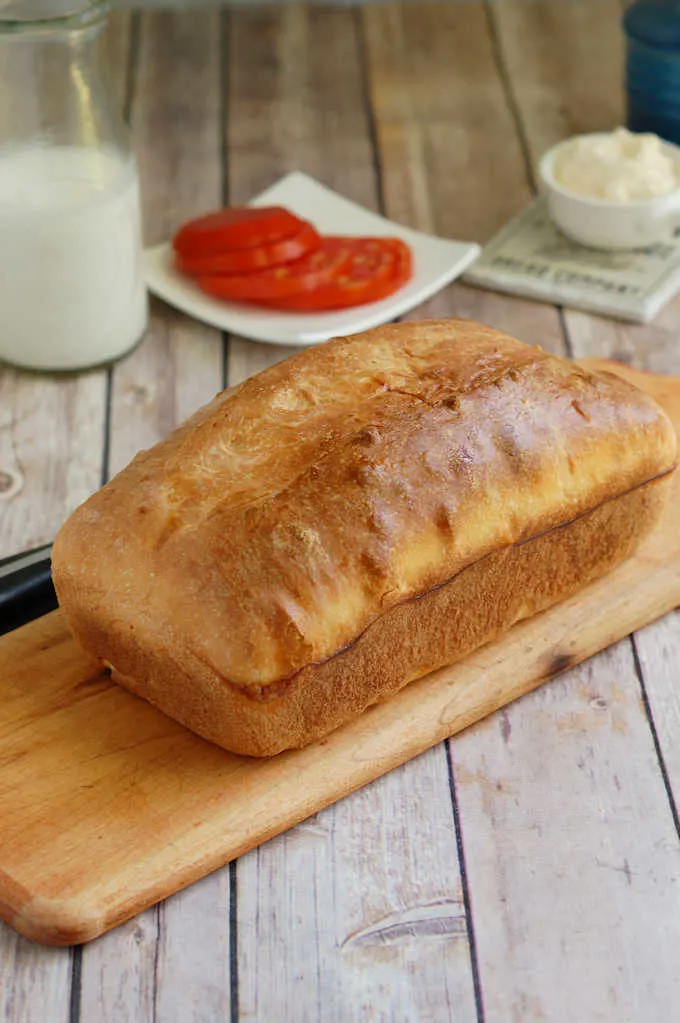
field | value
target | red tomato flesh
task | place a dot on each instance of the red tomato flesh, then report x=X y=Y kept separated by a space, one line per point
x=250 y=260
x=377 y=267
x=279 y=282
x=238 y=227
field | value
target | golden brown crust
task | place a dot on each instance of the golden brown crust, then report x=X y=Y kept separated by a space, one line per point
x=409 y=641
x=315 y=503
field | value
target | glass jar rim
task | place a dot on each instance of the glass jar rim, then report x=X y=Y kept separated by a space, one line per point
x=43 y=15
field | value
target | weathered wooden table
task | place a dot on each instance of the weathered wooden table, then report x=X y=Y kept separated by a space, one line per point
x=530 y=869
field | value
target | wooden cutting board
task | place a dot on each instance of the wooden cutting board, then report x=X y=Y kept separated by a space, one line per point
x=107 y=806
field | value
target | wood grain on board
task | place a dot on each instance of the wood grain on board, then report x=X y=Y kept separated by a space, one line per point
x=106 y=771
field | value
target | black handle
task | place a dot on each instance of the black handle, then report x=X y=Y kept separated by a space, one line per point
x=26 y=589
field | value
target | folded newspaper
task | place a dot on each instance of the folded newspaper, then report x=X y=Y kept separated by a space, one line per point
x=530 y=257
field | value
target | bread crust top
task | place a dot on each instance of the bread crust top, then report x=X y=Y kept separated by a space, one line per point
x=268 y=531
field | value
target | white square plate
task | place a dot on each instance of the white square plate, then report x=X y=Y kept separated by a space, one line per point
x=436 y=261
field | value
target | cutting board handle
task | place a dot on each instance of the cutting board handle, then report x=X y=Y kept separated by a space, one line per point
x=26 y=589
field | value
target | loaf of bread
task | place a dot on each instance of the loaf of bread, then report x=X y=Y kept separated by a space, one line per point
x=352 y=518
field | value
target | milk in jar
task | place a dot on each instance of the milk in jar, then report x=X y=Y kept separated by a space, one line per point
x=72 y=291
x=71 y=287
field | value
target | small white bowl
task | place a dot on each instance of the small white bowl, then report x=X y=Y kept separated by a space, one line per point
x=602 y=224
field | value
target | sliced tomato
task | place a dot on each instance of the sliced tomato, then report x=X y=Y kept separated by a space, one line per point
x=250 y=260
x=279 y=282
x=377 y=267
x=237 y=227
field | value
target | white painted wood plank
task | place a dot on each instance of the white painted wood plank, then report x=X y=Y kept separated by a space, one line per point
x=118 y=978
x=564 y=63
x=438 y=172
x=358 y=913
x=192 y=967
x=572 y=854
x=31 y=979
x=571 y=849
x=177 y=137
x=246 y=358
x=51 y=442
x=448 y=148
x=295 y=101
x=653 y=347
x=168 y=963
x=658 y=649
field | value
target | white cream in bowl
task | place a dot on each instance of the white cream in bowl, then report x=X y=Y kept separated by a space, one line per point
x=619 y=167
x=613 y=190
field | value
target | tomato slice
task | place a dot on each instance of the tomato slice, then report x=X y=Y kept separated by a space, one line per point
x=237 y=227
x=249 y=260
x=377 y=267
x=279 y=282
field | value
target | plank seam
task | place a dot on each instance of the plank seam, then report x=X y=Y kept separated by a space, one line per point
x=131 y=72
x=369 y=109
x=128 y=100
x=224 y=154
x=655 y=736
x=226 y=346
x=76 y=984
x=464 y=882
x=224 y=29
x=225 y=24
x=106 y=448
x=510 y=97
x=159 y=918
x=565 y=331
x=233 y=944
x=129 y=92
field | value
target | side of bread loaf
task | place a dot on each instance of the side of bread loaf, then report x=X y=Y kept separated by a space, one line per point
x=353 y=518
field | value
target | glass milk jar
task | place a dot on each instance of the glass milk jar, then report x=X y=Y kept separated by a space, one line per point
x=72 y=293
